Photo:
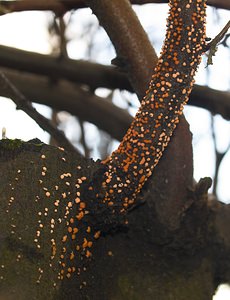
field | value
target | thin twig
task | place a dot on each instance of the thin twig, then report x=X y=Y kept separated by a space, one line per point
x=55 y=122
x=225 y=40
x=24 y=104
x=87 y=150
x=219 y=156
x=212 y=46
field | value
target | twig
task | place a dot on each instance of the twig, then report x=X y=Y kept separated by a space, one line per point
x=3 y=133
x=55 y=122
x=224 y=42
x=41 y=91
x=83 y=139
x=24 y=104
x=219 y=157
x=212 y=46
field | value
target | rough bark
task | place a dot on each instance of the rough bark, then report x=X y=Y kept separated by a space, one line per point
x=54 y=206
x=147 y=57
x=140 y=261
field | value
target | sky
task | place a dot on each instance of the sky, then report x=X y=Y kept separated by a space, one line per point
x=27 y=31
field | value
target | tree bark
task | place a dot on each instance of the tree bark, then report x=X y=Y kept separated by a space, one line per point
x=140 y=261
x=157 y=241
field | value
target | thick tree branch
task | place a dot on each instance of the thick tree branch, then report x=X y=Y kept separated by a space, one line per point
x=129 y=157
x=135 y=54
x=67 y=97
x=62 y=6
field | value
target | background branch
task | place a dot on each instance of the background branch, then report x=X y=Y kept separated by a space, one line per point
x=218 y=155
x=96 y=75
x=128 y=38
x=217 y=102
x=64 y=96
x=92 y=74
x=22 y=103
x=62 y=6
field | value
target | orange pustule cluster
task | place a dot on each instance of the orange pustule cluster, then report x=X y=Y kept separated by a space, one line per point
x=172 y=81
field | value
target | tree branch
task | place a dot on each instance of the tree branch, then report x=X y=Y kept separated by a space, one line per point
x=64 y=96
x=212 y=46
x=150 y=132
x=128 y=38
x=217 y=102
x=89 y=73
x=219 y=156
x=22 y=103
x=62 y=6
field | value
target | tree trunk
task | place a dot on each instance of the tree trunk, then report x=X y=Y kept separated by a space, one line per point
x=141 y=260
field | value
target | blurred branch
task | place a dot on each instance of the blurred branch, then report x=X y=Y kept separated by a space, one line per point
x=59 y=7
x=67 y=97
x=89 y=73
x=218 y=155
x=225 y=40
x=24 y=104
x=62 y=6
x=55 y=122
x=135 y=54
x=63 y=39
x=95 y=75
x=57 y=28
x=217 y=102
x=83 y=139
